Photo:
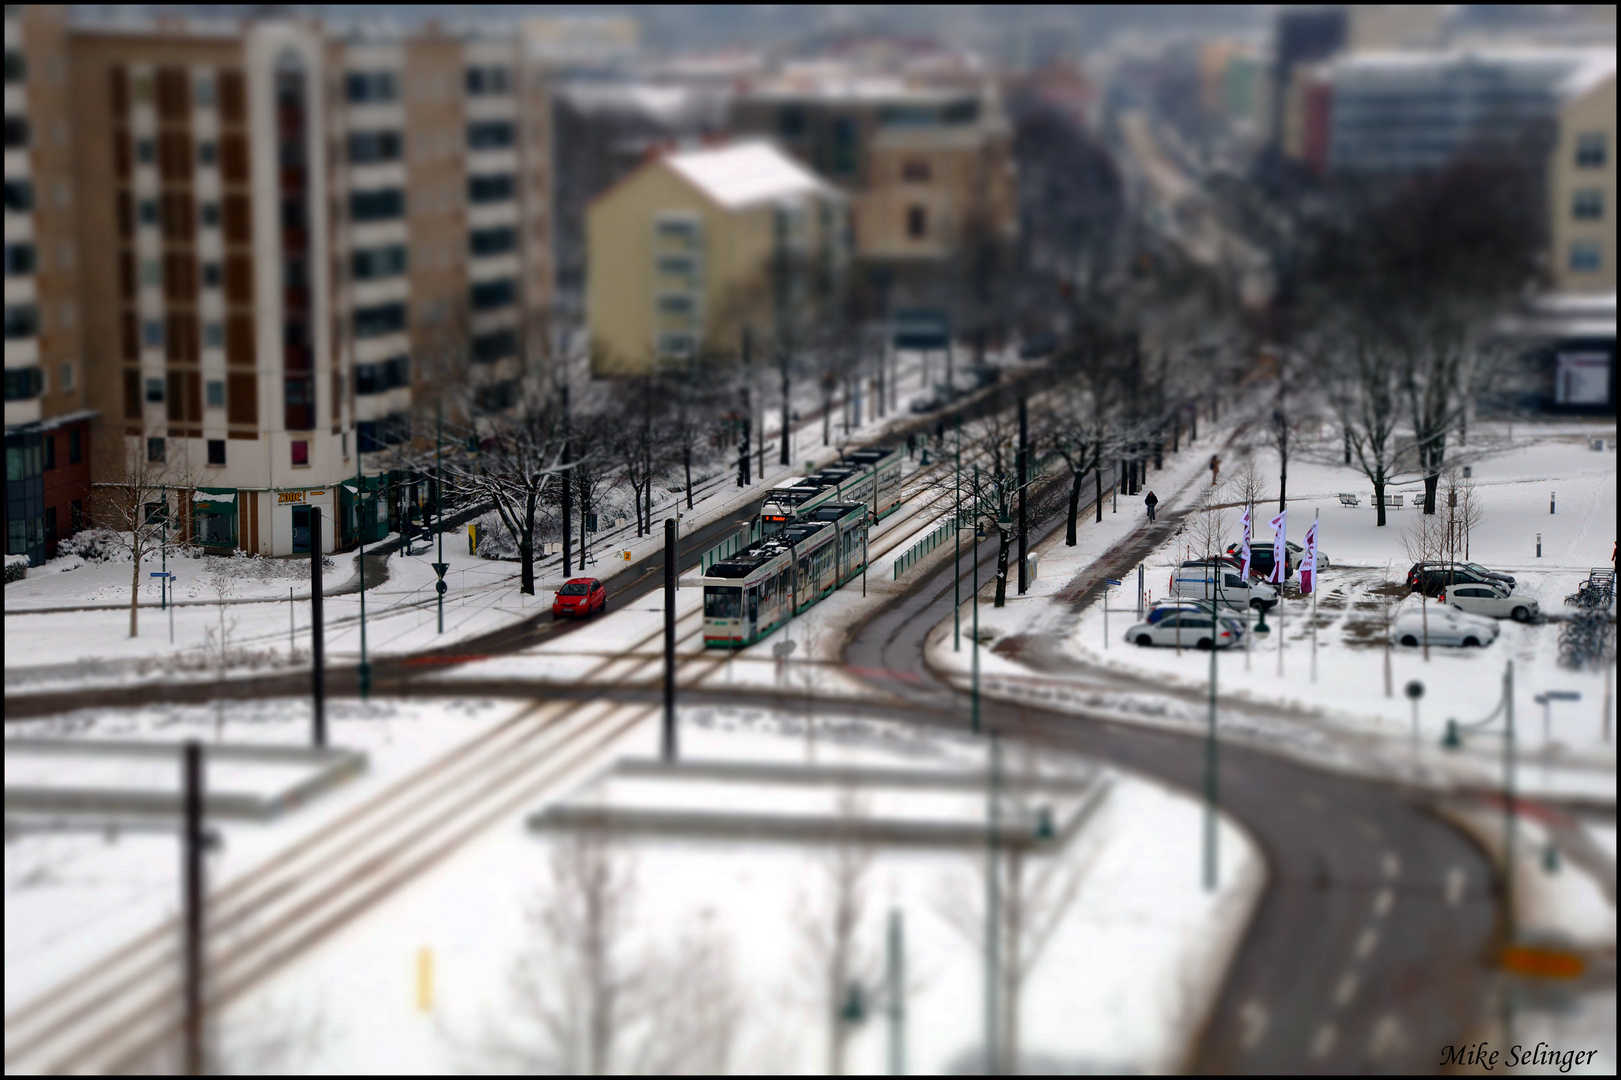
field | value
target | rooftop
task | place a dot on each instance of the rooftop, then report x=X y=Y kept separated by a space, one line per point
x=744 y=174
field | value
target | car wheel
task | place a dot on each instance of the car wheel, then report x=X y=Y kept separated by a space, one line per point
x=1409 y=639
x=1522 y=614
x=1204 y=643
x=1471 y=643
x=1144 y=640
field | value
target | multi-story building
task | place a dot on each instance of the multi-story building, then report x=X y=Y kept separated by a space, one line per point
x=1581 y=186
x=696 y=246
x=48 y=427
x=927 y=168
x=287 y=239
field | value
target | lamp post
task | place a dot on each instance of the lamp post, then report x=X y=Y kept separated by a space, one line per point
x=1453 y=740
x=956 y=565
x=439 y=502
x=1210 y=764
x=360 y=561
x=163 y=551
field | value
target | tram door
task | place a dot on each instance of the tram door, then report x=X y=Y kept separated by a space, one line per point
x=752 y=625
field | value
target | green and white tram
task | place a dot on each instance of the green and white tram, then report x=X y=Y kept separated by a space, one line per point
x=758 y=589
x=871 y=476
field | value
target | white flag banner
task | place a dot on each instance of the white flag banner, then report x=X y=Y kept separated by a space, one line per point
x=1244 y=549
x=1280 y=546
x=1308 y=564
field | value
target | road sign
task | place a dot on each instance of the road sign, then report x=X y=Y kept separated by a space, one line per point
x=783 y=648
x=440 y=568
x=441 y=588
x=161 y=573
x=1111 y=581
x=1414 y=690
x=1559 y=695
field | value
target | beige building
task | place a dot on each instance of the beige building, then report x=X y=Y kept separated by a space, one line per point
x=1581 y=187
x=696 y=246
x=284 y=240
x=927 y=168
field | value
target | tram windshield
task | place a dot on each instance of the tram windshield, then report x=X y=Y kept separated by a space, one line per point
x=723 y=602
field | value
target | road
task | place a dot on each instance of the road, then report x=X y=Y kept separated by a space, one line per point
x=1370 y=947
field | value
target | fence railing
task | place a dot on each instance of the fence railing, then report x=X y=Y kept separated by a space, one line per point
x=933 y=539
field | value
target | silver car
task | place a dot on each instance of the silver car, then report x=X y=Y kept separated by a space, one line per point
x=1187 y=629
x=1494 y=601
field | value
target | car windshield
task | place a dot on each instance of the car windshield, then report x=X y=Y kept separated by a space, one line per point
x=574 y=588
x=1476 y=567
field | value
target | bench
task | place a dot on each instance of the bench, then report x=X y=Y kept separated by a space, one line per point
x=1347 y=499
x=1392 y=502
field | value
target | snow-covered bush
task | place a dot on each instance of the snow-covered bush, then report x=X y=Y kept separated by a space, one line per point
x=16 y=567
x=495 y=540
x=250 y=566
x=95 y=546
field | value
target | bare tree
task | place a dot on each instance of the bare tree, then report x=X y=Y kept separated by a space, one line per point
x=143 y=500
x=1425 y=542
x=1364 y=389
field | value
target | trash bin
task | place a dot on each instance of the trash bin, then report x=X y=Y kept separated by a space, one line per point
x=1030 y=566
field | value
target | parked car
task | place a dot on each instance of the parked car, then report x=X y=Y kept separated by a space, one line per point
x=1214 y=560
x=1261 y=560
x=580 y=597
x=1443 y=626
x=1493 y=601
x=1433 y=578
x=983 y=376
x=1188 y=629
x=1297 y=555
x=926 y=403
x=1036 y=346
x=1222 y=585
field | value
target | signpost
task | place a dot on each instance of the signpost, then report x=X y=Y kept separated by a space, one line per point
x=164 y=584
x=1108 y=583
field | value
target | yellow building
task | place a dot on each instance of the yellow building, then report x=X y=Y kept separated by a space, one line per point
x=1581 y=187
x=695 y=246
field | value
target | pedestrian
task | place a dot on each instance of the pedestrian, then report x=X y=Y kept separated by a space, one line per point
x=911 y=444
x=1151 y=500
x=939 y=433
x=1215 y=468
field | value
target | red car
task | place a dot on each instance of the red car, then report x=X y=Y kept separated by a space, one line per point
x=580 y=596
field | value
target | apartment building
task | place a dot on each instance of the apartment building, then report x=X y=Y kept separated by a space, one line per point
x=291 y=241
x=927 y=168
x=1581 y=186
x=48 y=425
x=695 y=246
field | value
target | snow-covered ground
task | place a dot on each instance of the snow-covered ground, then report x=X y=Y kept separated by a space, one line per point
x=731 y=926
x=1573 y=755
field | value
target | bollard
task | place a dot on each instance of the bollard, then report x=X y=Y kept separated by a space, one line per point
x=1539 y=545
x=1551 y=495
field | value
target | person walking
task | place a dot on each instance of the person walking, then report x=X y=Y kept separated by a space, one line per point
x=1150 y=501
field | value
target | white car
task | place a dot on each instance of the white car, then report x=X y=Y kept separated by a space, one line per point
x=1493 y=601
x=1442 y=625
x=1297 y=555
x=1187 y=629
x=1222 y=584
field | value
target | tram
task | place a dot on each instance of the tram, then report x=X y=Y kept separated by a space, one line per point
x=753 y=592
x=871 y=476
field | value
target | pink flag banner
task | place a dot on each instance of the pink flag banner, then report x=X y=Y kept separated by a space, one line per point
x=1308 y=564
x=1280 y=548
x=1244 y=548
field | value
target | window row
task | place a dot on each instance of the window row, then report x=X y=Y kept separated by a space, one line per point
x=384 y=376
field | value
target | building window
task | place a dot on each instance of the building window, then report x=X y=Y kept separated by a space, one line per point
x=215 y=523
x=1591 y=150
x=22 y=321
x=486 y=295
x=75 y=451
x=369 y=264
x=1586 y=256
x=496 y=397
x=372 y=86
x=202 y=91
x=210 y=213
x=214 y=335
x=16 y=66
x=384 y=205
x=154 y=389
x=146 y=151
x=791 y=121
x=677 y=229
x=677 y=304
x=379 y=319
x=684 y=266
x=915 y=171
x=490 y=189
x=148 y=210
x=49 y=445
x=370 y=147
x=19 y=196
x=152 y=333
x=20 y=260
x=216 y=451
x=16 y=132
x=207 y=153
x=496 y=345
x=301 y=452
x=490 y=135
x=155 y=450
x=151 y=272
x=211 y=274
x=1588 y=204
x=67 y=375
x=488 y=80
x=846 y=151
x=498 y=241
x=677 y=344
x=917 y=222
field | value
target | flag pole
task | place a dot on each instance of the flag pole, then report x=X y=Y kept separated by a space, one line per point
x=1311 y=557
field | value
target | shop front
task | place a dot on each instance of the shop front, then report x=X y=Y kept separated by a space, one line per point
x=214 y=520
x=292 y=529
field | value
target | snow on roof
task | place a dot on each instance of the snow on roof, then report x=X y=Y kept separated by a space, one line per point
x=743 y=174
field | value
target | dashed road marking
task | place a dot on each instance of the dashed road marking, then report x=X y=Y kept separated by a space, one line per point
x=1253 y=1018
x=1392 y=865
x=1387 y=1038
x=1346 y=990
x=1383 y=902
x=1457 y=881
x=1365 y=943
x=1323 y=1044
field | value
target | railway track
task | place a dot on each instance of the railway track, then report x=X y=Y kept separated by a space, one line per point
x=119 y=1015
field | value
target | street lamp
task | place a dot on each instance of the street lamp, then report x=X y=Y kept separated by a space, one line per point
x=360 y=560
x=1453 y=740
